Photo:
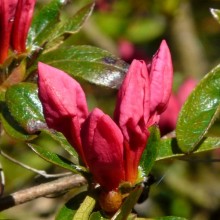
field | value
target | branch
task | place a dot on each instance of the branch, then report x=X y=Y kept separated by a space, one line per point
x=56 y=186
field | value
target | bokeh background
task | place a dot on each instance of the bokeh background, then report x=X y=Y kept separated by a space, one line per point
x=134 y=29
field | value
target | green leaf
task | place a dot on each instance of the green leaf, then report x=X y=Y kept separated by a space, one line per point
x=85 y=209
x=89 y=63
x=24 y=105
x=69 y=209
x=150 y=153
x=57 y=136
x=11 y=127
x=169 y=148
x=96 y=216
x=44 y=23
x=72 y=25
x=128 y=204
x=55 y=158
x=199 y=112
x=215 y=14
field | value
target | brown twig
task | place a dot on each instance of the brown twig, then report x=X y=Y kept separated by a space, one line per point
x=56 y=186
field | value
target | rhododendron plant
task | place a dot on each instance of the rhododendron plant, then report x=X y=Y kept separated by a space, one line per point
x=111 y=149
x=15 y=20
x=104 y=164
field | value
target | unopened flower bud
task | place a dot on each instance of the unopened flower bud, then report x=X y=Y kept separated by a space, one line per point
x=110 y=201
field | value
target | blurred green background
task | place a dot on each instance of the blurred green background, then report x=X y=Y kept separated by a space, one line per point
x=134 y=29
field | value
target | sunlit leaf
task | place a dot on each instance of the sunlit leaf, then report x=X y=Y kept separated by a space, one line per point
x=85 y=208
x=24 y=105
x=73 y=24
x=89 y=63
x=55 y=158
x=169 y=149
x=11 y=127
x=44 y=23
x=199 y=112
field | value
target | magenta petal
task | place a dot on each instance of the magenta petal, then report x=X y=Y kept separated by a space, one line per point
x=23 y=18
x=103 y=148
x=7 y=11
x=132 y=115
x=64 y=103
x=161 y=77
x=132 y=107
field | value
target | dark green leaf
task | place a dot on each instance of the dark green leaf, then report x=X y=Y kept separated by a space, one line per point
x=150 y=153
x=55 y=159
x=169 y=148
x=24 y=105
x=44 y=23
x=89 y=63
x=74 y=24
x=128 y=204
x=57 y=136
x=85 y=208
x=11 y=127
x=216 y=14
x=199 y=112
x=69 y=209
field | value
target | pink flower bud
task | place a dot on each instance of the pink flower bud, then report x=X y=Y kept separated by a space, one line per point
x=23 y=17
x=161 y=79
x=103 y=148
x=64 y=103
x=132 y=112
x=15 y=20
x=143 y=96
x=7 y=12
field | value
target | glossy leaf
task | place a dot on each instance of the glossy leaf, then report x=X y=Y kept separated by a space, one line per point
x=199 y=112
x=89 y=63
x=128 y=204
x=169 y=148
x=55 y=158
x=85 y=208
x=69 y=209
x=72 y=25
x=44 y=23
x=215 y=14
x=24 y=105
x=150 y=153
x=11 y=127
